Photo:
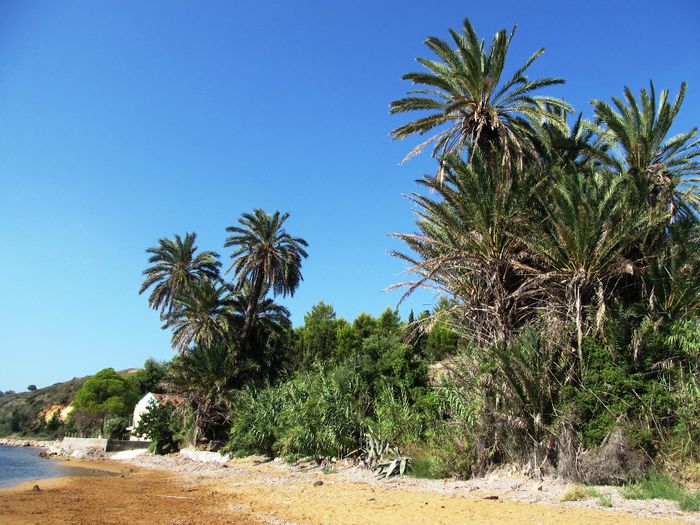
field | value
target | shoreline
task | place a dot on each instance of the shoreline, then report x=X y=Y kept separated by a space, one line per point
x=164 y=489
x=26 y=443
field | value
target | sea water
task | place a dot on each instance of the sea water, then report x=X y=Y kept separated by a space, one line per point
x=19 y=464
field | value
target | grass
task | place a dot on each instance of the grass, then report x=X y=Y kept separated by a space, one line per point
x=427 y=468
x=575 y=493
x=660 y=486
x=580 y=493
x=426 y=462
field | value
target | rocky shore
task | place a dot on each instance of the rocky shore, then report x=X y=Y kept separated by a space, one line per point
x=25 y=443
x=52 y=449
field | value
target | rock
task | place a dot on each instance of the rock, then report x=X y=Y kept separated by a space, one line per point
x=36 y=488
x=201 y=456
x=539 y=488
x=491 y=497
x=318 y=483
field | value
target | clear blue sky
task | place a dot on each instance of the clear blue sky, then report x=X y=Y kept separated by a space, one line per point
x=122 y=122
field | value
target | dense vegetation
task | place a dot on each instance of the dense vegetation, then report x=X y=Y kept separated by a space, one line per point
x=564 y=252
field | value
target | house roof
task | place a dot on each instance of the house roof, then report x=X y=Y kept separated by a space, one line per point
x=170 y=399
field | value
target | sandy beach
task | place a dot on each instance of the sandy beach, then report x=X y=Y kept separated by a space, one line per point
x=171 y=490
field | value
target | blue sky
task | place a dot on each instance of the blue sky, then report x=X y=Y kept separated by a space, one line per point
x=122 y=122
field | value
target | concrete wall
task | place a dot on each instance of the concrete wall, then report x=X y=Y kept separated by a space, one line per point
x=83 y=443
x=117 y=445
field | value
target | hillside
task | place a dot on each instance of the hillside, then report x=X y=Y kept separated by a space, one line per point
x=31 y=412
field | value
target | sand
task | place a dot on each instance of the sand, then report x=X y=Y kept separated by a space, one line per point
x=249 y=493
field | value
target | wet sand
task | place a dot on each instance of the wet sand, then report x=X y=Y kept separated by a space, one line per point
x=139 y=495
x=133 y=496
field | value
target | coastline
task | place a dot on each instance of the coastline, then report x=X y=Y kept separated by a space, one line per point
x=25 y=443
x=153 y=489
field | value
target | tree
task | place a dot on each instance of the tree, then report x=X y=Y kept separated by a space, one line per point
x=175 y=270
x=317 y=339
x=159 y=424
x=467 y=245
x=149 y=378
x=469 y=105
x=31 y=388
x=265 y=255
x=270 y=333
x=202 y=316
x=591 y=223
x=669 y=167
x=106 y=394
x=207 y=377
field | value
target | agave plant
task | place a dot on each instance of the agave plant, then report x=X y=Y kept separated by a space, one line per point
x=396 y=467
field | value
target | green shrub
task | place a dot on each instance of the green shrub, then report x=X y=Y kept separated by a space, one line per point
x=659 y=486
x=115 y=427
x=255 y=418
x=690 y=502
x=575 y=493
x=160 y=424
x=428 y=467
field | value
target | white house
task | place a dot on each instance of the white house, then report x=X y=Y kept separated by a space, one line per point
x=146 y=401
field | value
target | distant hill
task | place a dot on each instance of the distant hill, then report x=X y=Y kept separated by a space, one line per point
x=28 y=412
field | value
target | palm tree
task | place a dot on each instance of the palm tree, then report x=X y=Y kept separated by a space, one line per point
x=202 y=315
x=571 y=147
x=590 y=223
x=269 y=316
x=268 y=329
x=668 y=168
x=175 y=269
x=207 y=376
x=470 y=106
x=466 y=247
x=265 y=256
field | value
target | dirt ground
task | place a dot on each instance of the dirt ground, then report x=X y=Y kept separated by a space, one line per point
x=257 y=495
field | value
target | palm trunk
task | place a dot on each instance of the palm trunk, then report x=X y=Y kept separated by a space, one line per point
x=579 y=325
x=251 y=310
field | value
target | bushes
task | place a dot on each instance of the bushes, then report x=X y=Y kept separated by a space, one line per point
x=658 y=485
x=318 y=413
x=160 y=424
x=326 y=410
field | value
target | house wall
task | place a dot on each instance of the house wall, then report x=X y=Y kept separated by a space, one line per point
x=140 y=410
x=141 y=407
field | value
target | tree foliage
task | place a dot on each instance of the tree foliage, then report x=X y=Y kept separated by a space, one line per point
x=106 y=394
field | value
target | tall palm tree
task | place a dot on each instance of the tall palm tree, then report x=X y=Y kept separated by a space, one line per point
x=668 y=166
x=470 y=106
x=265 y=256
x=269 y=332
x=466 y=247
x=202 y=315
x=269 y=316
x=175 y=269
